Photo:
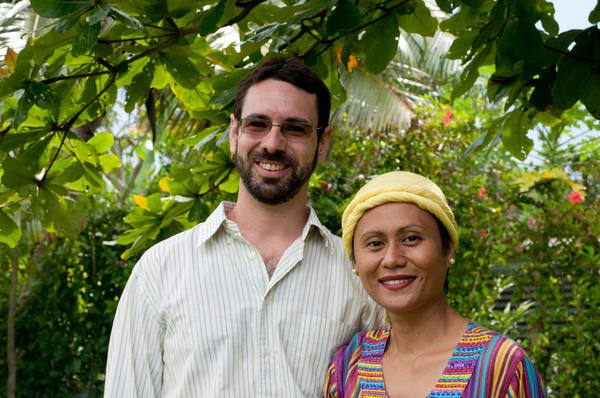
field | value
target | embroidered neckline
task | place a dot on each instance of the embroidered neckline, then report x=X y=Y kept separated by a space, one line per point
x=454 y=379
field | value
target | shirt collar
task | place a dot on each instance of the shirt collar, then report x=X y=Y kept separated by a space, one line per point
x=218 y=217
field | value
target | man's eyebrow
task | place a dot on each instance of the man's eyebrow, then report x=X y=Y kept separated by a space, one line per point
x=291 y=119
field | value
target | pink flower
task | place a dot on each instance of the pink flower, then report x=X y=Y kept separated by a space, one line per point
x=575 y=197
x=530 y=221
x=447 y=115
x=481 y=193
x=483 y=234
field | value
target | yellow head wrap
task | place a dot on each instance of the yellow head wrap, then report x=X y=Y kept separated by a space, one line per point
x=397 y=186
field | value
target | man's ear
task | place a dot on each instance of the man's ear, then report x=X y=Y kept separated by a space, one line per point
x=324 y=144
x=233 y=134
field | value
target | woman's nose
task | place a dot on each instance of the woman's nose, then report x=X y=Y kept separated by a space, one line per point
x=394 y=256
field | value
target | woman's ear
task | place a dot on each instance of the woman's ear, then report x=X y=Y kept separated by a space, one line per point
x=450 y=255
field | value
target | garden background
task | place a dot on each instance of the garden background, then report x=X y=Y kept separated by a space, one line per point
x=113 y=136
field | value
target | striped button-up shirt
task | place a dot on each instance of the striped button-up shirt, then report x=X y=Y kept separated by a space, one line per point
x=200 y=317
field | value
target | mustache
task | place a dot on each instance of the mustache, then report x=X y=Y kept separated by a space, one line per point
x=279 y=157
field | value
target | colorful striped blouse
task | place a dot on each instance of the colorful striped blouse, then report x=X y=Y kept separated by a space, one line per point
x=484 y=364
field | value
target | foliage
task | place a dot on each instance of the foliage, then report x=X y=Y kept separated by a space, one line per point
x=68 y=297
x=70 y=76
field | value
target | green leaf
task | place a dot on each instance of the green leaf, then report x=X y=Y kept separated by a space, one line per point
x=126 y=19
x=594 y=17
x=445 y=5
x=10 y=233
x=514 y=134
x=99 y=12
x=473 y=3
x=203 y=136
x=571 y=79
x=137 y=91
x=199 y=211
x=65 y=171
x=591 y=94
x=484 y=140
x=22 y=112
x=180 y=182
x=471 y=72
x=232 y=184
x=59 y=8
x=18 y=176
x=86 y=39
x=210 y=19
x=67 y=216
x=550 y=25
x=530 y=10
x=547 y=119
x=381 y=44
x=528 y=43
x=541 y=97
x=102 y=142
x=420 y=21
x=177 y=61
x=109 y=162
x=42 y=94
x=344 y=18
x=462 y=45
x=154 y=203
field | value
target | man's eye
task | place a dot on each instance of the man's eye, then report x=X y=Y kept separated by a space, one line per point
x=296 y=129
x=258 y=124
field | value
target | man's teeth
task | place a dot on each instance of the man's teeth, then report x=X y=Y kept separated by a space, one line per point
x=271 y=167
x=397 y=281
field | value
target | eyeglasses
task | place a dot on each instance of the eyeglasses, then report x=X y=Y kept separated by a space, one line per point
x=259 y=128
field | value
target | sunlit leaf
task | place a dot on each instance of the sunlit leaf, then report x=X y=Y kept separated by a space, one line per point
x=10 y=59
x=10 y=233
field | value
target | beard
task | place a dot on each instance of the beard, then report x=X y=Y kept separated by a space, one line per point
x=274 y=191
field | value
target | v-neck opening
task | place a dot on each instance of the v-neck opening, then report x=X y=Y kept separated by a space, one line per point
x=451 y=384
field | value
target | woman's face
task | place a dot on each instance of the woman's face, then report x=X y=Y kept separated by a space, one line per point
x=399 y=257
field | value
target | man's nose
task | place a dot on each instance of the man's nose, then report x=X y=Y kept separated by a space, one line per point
x=274 y=141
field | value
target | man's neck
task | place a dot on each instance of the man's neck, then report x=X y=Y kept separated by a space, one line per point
x=257 y=220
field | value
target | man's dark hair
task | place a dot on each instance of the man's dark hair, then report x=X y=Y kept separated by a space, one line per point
x=289 y=70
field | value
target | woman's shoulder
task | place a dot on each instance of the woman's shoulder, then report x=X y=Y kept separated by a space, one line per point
x=497 y=344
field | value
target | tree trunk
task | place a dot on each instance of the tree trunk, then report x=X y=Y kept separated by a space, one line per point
x=12 y=310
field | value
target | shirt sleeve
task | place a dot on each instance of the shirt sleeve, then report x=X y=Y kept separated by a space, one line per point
x=135 y=366
x=526 y=381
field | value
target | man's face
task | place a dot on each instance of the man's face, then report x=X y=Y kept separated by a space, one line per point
x=273 y=168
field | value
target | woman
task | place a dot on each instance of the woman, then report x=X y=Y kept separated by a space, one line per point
x=401 y=237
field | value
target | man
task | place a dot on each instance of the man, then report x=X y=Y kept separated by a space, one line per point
x=254 y=301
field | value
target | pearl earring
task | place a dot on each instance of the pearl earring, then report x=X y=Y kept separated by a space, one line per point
x=354 y=271
x=452 y=261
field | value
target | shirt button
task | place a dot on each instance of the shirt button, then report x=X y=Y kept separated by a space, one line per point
x=251 y=256
x=229 y=240
x=269 y=351
x=267 y=301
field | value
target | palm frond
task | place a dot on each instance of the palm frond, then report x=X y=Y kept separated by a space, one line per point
x=372 y=104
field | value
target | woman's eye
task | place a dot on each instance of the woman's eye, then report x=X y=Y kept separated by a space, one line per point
x=412 y=238
x=374 y=244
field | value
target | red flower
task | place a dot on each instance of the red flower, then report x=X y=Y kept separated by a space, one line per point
x=447 y=115
x=481 y=193
x=575 y=197
x=530 y=221
x=483 y=234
